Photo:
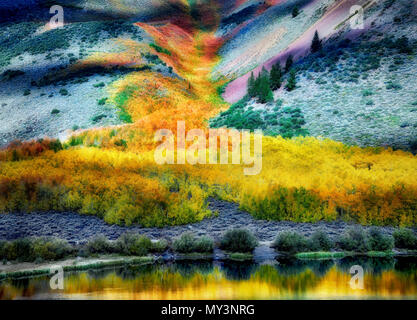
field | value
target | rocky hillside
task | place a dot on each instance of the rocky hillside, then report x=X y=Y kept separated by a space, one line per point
x=57 y=81
x=54 y=81
x=359 y=89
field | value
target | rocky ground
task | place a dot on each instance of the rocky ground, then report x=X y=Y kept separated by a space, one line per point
x=78 y=228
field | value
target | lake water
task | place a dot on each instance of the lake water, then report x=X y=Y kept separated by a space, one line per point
x=388 y=278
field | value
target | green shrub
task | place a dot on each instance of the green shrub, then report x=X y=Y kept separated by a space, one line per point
x=238 y=240
x=26 y=92
x=153 y=58
x=393 y=85
x=291 y=242
x=55 y=111
x=353 y=240
x=188 y=243
x=38 y=249
x=220 y=89
x=121 y=100
x=98 y=244
x=79 y=80
x=55 y=145
x=377 y=241
x=102 y=101
x=159 y=246
x=405 y=239
x=3 y=250
x=160 y=49
x=10 y=74
x=120 y=143
x=133 y=244
x=51 y=249
x=204 y=244
x=8 y=252
x=21 y=249
x=98 y=118
x=185 y=243
x=124 y=116
x=239 y=118
x=320 y=241
x=76 y=141
x=291 y=122
x=99 y=85
x=63 y=92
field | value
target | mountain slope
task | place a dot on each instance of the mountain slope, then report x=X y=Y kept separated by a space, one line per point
x=266 y=42
x=359 y=92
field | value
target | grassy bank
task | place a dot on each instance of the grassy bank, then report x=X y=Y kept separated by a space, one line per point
x=355 y=241
x=342 y=254
x=117 y=262
x=320 y=255
x=239 y=256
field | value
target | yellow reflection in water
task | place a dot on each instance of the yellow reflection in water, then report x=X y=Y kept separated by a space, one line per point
x=265 y=282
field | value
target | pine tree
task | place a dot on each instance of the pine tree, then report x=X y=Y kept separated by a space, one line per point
x=275 y=78
x=316 y=43
x=295 y=11
x=251 y=86
x=256 y=89
x=288 y=63
x=265 y=93
x=292 y=81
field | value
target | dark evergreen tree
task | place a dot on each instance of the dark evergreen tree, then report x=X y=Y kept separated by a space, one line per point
x=316 y=43
x=288 y=63
x=295 y=11
x=251 y=86
x=257 y=86
x=275 y=77
x=292 y=81
x=265 y=93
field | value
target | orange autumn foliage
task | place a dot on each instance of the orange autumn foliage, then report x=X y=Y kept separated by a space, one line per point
x=111 y=173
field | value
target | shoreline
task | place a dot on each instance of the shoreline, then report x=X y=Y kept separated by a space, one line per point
x=25 y=270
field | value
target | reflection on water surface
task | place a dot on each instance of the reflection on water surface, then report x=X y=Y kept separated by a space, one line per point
x=286 y=279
